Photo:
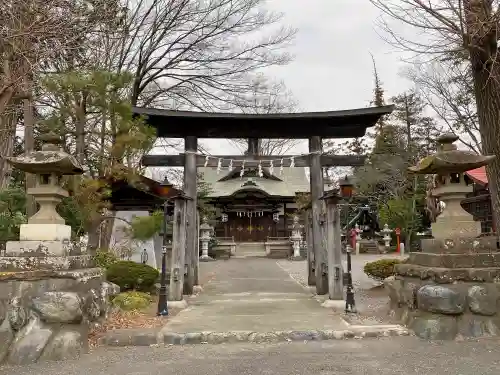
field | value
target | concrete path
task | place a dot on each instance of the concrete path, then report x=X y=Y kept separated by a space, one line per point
x=257 y=295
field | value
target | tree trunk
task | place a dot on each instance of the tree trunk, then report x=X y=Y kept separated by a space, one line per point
x=7 y=120
x=81 y=120
x=483 y=50
x=93 y=236
x=8 y=123
x=6 y=85
x=488 y=104
x=29 y=145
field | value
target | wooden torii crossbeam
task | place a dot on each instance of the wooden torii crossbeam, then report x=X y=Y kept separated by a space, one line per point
x=250 y=160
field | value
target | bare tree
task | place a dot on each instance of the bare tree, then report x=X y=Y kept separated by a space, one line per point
x=461 y=31
x=266 y=97
x=448 y=90
x=181 y=54
x=33 y=36
x=193 y=54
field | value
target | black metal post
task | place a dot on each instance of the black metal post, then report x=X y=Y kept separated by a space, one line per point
x=350 y=305
x=163 y=296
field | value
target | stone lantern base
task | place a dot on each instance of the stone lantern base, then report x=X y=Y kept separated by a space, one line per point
x=450 y=290
x=44 y=232
x=50 y=295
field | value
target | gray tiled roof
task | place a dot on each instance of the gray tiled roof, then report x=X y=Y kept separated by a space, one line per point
x=293 y=180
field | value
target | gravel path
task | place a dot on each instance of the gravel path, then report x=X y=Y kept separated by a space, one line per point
x=388 y=356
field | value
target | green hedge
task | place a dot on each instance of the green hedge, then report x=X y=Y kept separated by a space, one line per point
x=105 y=258
x=381 y=269
x=130 y=275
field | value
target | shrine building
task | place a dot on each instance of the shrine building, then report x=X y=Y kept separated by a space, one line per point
x=253 y=206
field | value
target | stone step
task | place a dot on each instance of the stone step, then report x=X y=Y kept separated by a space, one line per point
x=369 y=247
x=151 y=337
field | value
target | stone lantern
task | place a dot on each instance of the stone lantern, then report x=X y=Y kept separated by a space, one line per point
x=48 y=165
x=205 y=235
x=296 y=239
x=387 y=236
x=449 y=166
x=53 y=292
x=450 y=288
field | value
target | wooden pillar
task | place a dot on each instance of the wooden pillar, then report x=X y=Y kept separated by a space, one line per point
x=334 y=249
x=285 y=226
x=196 y=275
x=316 y=181
x=190 y=147
x=253 y=146
x=311 y=279
x=177 y=263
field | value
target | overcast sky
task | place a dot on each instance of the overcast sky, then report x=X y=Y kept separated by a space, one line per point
x=332 y=69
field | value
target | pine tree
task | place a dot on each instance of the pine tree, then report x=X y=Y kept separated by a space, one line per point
x=93 y=114
x=387 y=136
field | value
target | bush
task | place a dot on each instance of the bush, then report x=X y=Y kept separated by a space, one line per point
x=105 y=258
x=132 y=301
x=381 y=269
x=132 y=276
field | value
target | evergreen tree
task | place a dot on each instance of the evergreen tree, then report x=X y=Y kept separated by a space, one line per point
x=388 y=139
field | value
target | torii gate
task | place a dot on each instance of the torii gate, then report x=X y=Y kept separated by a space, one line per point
x=314 y=126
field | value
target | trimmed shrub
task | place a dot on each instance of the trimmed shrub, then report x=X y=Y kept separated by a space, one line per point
x=105 y=258
x=130 y=275
x=132 y=300
x=381 y=269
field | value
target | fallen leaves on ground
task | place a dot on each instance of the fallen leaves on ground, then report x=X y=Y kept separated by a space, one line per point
x=125 y=319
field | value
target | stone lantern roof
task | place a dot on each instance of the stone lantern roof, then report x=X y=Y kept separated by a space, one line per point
x=51 y=159
x=449 y=159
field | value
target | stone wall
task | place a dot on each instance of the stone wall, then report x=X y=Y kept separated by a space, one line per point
x=443 y=311
x=46 y=314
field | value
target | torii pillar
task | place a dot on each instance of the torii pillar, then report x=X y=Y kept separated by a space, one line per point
x=253 y=146
x=190 y=184
x=317 y=210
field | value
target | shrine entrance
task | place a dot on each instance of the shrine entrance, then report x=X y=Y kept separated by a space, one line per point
x=314 y=126
x=251 y=226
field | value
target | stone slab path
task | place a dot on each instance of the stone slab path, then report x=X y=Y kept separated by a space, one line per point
x=257 y=295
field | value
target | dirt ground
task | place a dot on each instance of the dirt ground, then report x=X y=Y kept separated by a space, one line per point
x=119 y=319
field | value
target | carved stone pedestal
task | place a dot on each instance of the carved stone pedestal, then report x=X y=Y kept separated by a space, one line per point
x=47 y=314
x=449 y=290
x=50 y=294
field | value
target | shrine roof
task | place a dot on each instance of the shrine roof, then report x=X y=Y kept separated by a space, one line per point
x=145 y=194
x=332 y=124
x=293 y=180
x=478 y=175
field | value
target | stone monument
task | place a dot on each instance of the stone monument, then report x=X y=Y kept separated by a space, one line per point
x=50 y=292
x=452 y=288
